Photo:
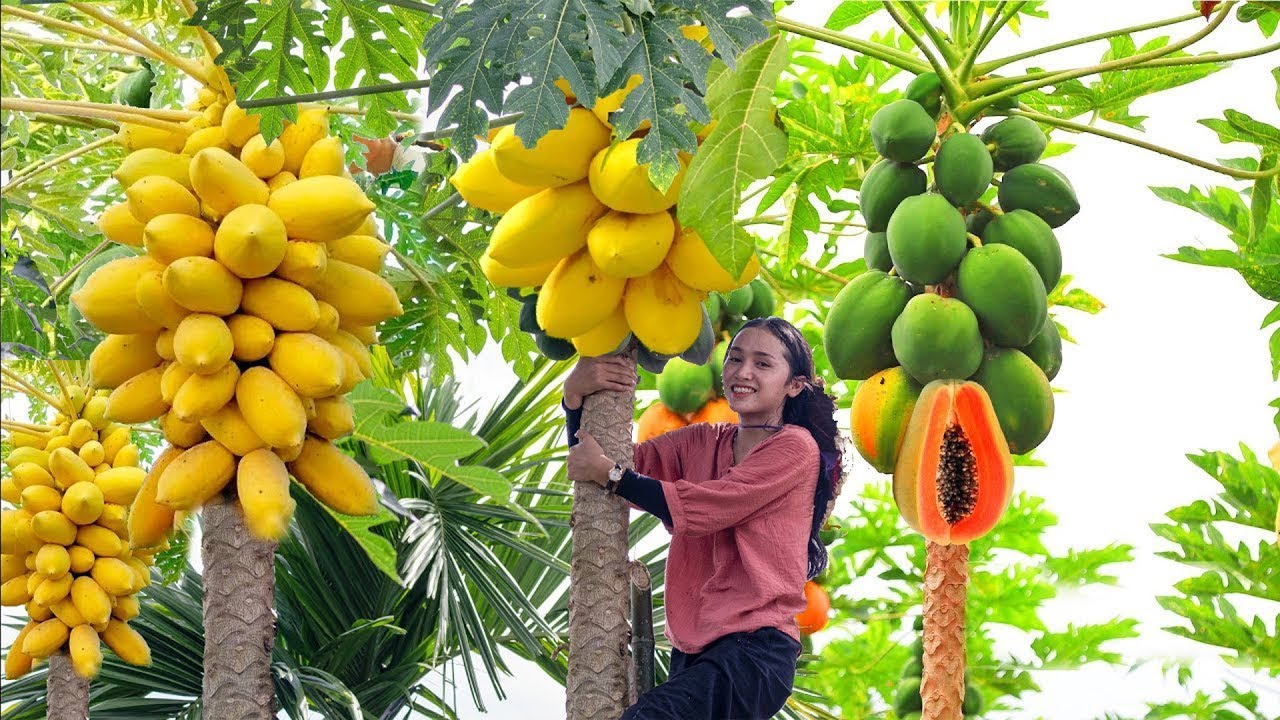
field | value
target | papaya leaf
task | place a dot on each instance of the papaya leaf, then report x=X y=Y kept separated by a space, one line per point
x=1074 y=298
x=744 y=146
x=850 y=13
x=1078 y=645
x=379 y=550
x=1239 y=127
x=1265 y=13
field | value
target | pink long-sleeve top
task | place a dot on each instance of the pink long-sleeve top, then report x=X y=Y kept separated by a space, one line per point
x=738 y=555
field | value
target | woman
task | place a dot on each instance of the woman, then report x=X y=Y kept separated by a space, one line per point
x=744 y=504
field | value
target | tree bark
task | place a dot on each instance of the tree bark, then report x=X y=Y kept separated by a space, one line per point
x=946 y=582
x=239 y=618
x=68 y=692
x=599 y=664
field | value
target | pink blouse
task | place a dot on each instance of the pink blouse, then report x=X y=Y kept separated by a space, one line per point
x=738 y=555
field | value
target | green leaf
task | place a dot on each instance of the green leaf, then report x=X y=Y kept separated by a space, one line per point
x=850 y=13
x=744 y=146
x=379 y=550
x=1074 y=298
x=1081 y=644
x=1239 y=127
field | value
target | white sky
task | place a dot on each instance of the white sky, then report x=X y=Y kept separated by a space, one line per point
x=1174 y=364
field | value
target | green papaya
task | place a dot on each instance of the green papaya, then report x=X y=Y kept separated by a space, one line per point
x=650 y=360
x=554 y=348
x=1020 y=396
x=1014 y=141
x=737 y=301
x=1041 y=189
x=714 y=306
x=885 y=186
x=973 y=703
x=1045 y=350
x=857 y=335
x=963 y=169
x=876 y=252
x=1028 y=234
x=937 y=338
x=1004 y=290
x=902 y=131
x=529 y=314
x=976 y=222
x=717 y=366
x=926 y=89
x=700 y=351
x=762 y=300
x=684 y=387
x=134 y=89
x=907 y=699
x=926 y=238
x=826 y=536
x=917 y=650
x=734 y=324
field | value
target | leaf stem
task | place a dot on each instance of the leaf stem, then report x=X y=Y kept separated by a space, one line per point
x=211 y=48
x=334 y=94
x=13 y=39
x=984 y=68
x=449 y=131
x=808 y=266
x=409 y=265
x=78 y=30
x=94 y=110
x=171 y=116
x=1077 y=127
x=164 y=54
x=989 y=208
x=999 y=20
x=31 y=390
x=950 y=87
x=884 y=53
x=939 y=38
x=353 y=110
x=68 y=121
x=62 y=385
x=12 y=425
x=31 y=171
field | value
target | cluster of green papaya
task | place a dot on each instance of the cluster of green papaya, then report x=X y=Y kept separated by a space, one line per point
x=908 y=704
x=956 y=288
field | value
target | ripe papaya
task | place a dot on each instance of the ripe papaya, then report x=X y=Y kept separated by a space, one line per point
x=481 y=185
x=1021 y=396
x=225 y=183
x=684 y=387
x=250 y=241
x=881 y=410
x=252 y=337
x=657 y=419
x=885 y=186
x=321 y=208
x=304 y=263
x=502 y=276
x=954 y=476
x=156 y=302
x=937 y=338
x=577 y=296
x=44 y=639
x=663 y=312
x=82 y=503
x=174 y=235
x=126 y=643
x=962 y=169
x=265 y=161
x=926 y=238
x=1045 y=350
x=606 y=337
x=363 y=251
x=623 y=184
x=560 y=157
x=156 y=195
x=614 y=100
x=334 y=478
x=153 y=161
x=202 y=343
x=545 y=226
x=1031 y=236
x=1005 y=292
x=334 y=418
x=286 y=306
x=108 y=298
x=1014 y=141
x=150 y=521
x=119 y=225
x=17 y=663
x=119 y=486
x=351 y=345
x=280 y=179
x=262 y=485
x=629 y=245
x=137 y=400
x=86 y=651
x=238 y=125
x=195 y=476
x=902 y=131
x=360 y=297
x=324 y=157
x=202 y=395
x=270 y=407
x=202 y=284
x=135 y=137
x=210 y=137
x=716 y=410
x=875 y=251
x=1041 y=189
x=120 y=357
x=311 y=366
x=857 y=335
x=297 y=138
x=692 y=262
x=926 y=89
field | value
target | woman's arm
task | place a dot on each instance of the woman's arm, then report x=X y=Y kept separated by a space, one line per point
x=642 y=492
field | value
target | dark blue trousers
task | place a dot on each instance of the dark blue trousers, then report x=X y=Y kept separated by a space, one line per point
x=741 y=676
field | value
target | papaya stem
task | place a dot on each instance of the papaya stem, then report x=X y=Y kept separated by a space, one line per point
x=893 y=271
x=883 y=53
x=334 y=94
x=164 y=54
x=13 y=40
x=946 y=581
x=27 y=427
x=984 y=68
x=68 y=121
x=32 y=390
x=61 y=283
x=441 y=134
x=973 y=107
x=353 y=110
x=998 y=20
x=989 y=208
x=93 y=110
x=66 y=392
x=173 y=116
x=809 y=266
x=954 y=93
x=946 y=48
x=974 y=240
x=1077 y=127
x=927 y=159
x=32 y=170
x=79 y=30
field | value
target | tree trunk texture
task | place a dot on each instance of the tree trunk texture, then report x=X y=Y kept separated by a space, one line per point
x=597 y=685
x=641 y=630
x=68 y=692
x=239 y=618
x=946 y=583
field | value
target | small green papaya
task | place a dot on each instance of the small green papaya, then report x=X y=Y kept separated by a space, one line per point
x=1004 y=290
x=737 y=301
x=554 y=348
x=684 y=387
x=1015 y=141
x=926 y=89
x=907 y=699
x=762 y=300
x=926 y=238
x=902 y=131
x=135 y=88
x=918 y=623
x=1020 y=396
x=1028 y=234
x=1045 y=350
x=1041 y=189
x=976 y=222
x=700 y=351
x=717 y=366
x=885 y=186
x=937 y=338
x=913 y=669
x=917 y=650
x=714 y=306
x=963 y=168
x=529 y=314
x=876 y=252
x=857 y=334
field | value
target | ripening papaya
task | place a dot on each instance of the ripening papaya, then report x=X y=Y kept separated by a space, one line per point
x=270 y=407
x=135 y=137
x=228 y=426
x=320 y=208
x=360 y=296
x=286 y=306
x=174 y=235
x=481 y=185
x=857 y=336
x=18 y=663
x=250 y=241
x=108 y=298
x=119 y=486
x=560 y=157
x=1005 y=292
x=692 y=262
x=82 y=503
x=1020 y=395
x=153 y=161
x=716 y=410
x=334 y=418
x=937 y=338
x=954 y=476
x=156 y=195
x=1030 y=235
x=629 y=245
x=1015 y=141
x=577 y=296
x=86 y=651
x=962 y=168
x=880 y=412
x=335 y=478
x=202 y=284
x=545 y=226
x=902 y=131
x=502 y=276
x=262 y=487
x=927 y=238
x=351 y=345
x=44 y=639
x=210 y=137
x=664 y=313
x=657 y=420
x=120 y=357
x=150 y=521
x=126 y=643
x=1041 y=189
x=623 y=183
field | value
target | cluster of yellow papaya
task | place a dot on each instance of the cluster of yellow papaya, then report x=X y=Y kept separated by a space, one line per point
x=246 y=318
x=581 y=220
x=66 y=550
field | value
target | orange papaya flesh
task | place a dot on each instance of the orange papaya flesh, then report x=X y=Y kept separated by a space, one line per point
x=881 y=410
x=954 y=476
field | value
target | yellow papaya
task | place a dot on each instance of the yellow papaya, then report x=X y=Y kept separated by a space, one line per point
x=250 y=241
x=229 y=427
x=560 y=157
x=623 y=184
x=11 y=566
x=101 y=541
x=202 y=284
x=324 y=157
x=334 y=418
x=311 y=366
x=81 y=560
x=271 y=407
x=280 y=179
x=358 y=295
x=150 y=521
x=481 y=185
x=52 y=561
x=334 y=478
x=91 y=452
x=164 y=341
x=605 y=337
x=225 y=183
x=297 y=138
x=118 y=485
x=252 y=337
x=85 y=650
x=65 y=610
x=113 y=519
x=156 y=195
x=120 y=357
x=52 y=526
x=114 y=576
x=52 y=590
x=127 y=457
x=82 y=503
x=286 y=306
x=366 y=334
x=577 y=297
x=14 y=592
x=20 y=455
x=181 y=433
x=262 y=485
x=68 y=468
x=502 y=276
x=627 y=245
x=126 y=643
x=119 y=225
x=663 y=313
x=136 y=137
x=238 y=125
x=173 y=236
x=264 y=160
x=202 y=395
x=194 y=477
x=546 y=226
x=44 y=639
x=352 y=346
x=202 y=343
x=91 y=600
x=38 y=498
x=328 y=322
x=108 y=298
x=693 y=263
x=126 y=608
x=17 y=663
x=175 y=374
x=156 y=302
x=114 y=440
x=210 y=137
x=364 y=251
x=321 y=208
x=153 y=161
x=304 y=262
x=137 y=400
x=614 y=100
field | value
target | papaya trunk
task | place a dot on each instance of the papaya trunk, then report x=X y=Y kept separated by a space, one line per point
x=641 y=630
x=946 y=583
x=68 y=692
x=239 y=619
x=599 y=663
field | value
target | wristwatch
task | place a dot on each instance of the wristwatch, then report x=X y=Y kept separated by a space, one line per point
x=615 y=477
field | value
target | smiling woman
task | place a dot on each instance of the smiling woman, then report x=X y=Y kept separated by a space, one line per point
x=743 y=503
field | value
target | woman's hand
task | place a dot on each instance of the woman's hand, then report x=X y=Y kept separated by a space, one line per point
x=591 y=375
x=587 y=461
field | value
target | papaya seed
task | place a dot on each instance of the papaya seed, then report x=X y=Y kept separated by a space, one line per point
x=957 y=476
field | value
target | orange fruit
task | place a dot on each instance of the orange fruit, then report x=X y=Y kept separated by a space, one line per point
x=818 y=604
x=656 y=420
x=716 y=410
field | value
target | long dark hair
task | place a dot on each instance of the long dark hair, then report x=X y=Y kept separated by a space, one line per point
x=815 y=410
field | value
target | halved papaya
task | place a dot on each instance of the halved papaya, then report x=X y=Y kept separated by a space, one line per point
x=954 y=476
